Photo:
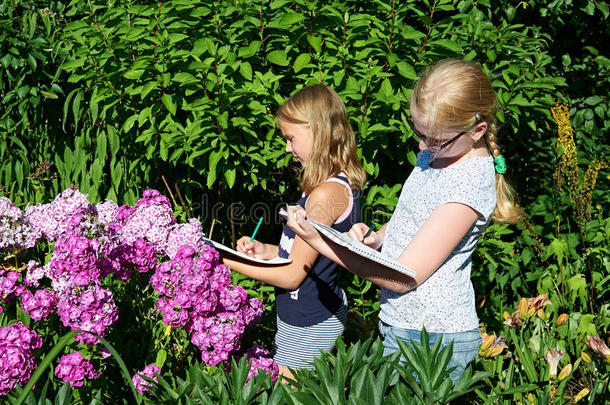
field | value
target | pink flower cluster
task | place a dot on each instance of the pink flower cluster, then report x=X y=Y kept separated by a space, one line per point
x=73 y=368
x=74 y=262
x=196 y=293
x=40 y=304
x=8 y=284
x=54 y=219
x=122 y=259
x=259 y=360
x=151 y=219
x=91 y=309
x=94 y=241
x=149 y=371
x=16 y=359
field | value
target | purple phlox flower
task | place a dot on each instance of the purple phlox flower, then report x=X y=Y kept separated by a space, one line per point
x=149 y=371
x=53 y=219
x=107 y=211
x=184 y=234
x=20 y=335
x=8 y=284
x=217 y=336
x=151 y=219
x=16 y=366
x=91 y=309
x=16 y=359
x=124 y=258
x=74 y=262
x=73 y=368
x=40 y=304
x=34 y=273
x=260 y=359
x=233 y=298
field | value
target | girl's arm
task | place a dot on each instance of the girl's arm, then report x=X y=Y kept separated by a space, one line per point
x=325 y=204
x=428 y=249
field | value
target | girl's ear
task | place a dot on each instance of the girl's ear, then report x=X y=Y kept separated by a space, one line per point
x=479 y=130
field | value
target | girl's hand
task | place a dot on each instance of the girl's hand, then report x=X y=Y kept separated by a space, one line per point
x=251 y=248
x=358 y=231
x=297 y=221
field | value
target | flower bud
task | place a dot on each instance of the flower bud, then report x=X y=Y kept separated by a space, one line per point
x=565 y=372
x=530 y=398
x=583 y=393
x=505 y=315
x=585 y=357
x=561 y=319
x=541 y=314
x=523 y=307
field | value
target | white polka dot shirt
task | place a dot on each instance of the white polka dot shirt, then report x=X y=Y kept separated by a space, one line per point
x=444 y=303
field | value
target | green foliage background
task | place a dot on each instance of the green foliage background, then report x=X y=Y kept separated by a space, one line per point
x=180 y=96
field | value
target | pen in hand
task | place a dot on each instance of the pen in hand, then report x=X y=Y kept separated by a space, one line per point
x=260 y=221
x=367 y=234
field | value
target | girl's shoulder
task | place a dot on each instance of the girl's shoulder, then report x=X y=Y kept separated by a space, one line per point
x=329 y=189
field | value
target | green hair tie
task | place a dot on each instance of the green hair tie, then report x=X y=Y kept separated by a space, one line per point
x=500 y=164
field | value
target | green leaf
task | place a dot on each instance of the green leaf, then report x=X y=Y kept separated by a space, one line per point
x=593 y=100
x=184 y=78
x=278 y=58
x=290 y=19
x=245 y=69
x=230 y=176
x=169 y=103
x=147 y=88
x=176 y=37
x=406 y=70
x=46 y=362
x=161 y=356
x=448 y=44
x=316 y=42
x=301 y=61
x=129 y=122
x=133 y=74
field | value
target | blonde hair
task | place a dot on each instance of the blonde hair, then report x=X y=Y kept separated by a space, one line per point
x=449 y=95
x=334 y=147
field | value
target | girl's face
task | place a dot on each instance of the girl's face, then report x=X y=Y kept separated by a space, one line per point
x=299 y=140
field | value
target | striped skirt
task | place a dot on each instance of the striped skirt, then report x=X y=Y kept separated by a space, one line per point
x=297 y=346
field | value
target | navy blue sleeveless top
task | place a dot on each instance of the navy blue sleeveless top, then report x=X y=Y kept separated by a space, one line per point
x=319 y=296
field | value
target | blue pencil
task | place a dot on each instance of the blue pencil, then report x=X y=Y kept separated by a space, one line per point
x=260 y=221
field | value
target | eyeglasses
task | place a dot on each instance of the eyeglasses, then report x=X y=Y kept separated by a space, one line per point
x=436 y=148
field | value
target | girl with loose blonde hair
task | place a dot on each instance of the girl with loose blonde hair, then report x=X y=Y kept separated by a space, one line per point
x=445 y=205
x=334 y=148
x=311 y=307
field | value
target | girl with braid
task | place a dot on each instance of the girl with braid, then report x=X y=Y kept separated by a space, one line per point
x=446 y=203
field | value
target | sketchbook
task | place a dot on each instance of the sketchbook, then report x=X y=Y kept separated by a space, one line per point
x=220 y=246
x=360 y=248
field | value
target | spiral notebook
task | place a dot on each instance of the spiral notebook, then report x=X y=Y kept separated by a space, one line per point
x=220 y=246
x=357 y=247
x=360 y=248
